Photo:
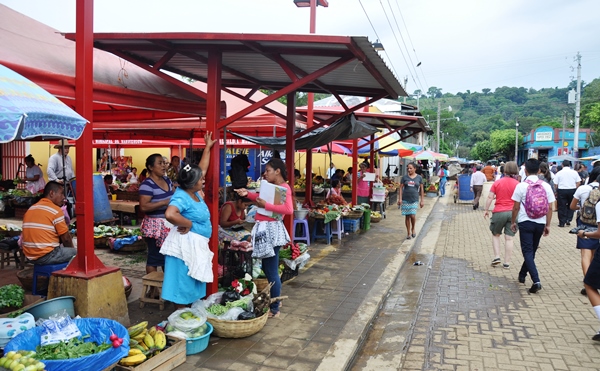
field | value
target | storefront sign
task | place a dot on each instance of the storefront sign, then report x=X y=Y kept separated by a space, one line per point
x=543 y=136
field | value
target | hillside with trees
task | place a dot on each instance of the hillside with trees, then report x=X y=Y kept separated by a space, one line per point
x=487 y=118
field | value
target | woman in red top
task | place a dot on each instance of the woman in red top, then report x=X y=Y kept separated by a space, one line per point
x=502 y=190
x=269 y=233
x=231 y=219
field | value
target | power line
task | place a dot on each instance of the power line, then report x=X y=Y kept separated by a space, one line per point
x=399 y=47
x=411 y=43
x=377 y=35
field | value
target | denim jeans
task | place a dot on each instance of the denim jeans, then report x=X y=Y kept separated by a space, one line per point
x=271 y=268
x=529 y=235
x=443 y=186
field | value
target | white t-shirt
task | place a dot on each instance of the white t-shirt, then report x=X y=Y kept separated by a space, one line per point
x=519 y=196
x=330 y=172
x=567 y=178
x=583 y=192
x=522 y=173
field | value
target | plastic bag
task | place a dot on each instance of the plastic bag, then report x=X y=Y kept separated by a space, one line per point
x=299 y=262
x=99 y=330
x=256 y=268
x=189 y=324
x=228 y=296
x=232 y=314
x=246 y=316
x=11 y=327
x=251 y=214
x=57 y=328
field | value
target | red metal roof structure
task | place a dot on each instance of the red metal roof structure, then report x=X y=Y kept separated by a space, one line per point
x=122 y=91
x=281 y=63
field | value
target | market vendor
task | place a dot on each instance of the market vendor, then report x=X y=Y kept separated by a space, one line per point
x=363 y=187
x=34 y=178
x=60 y=166
x=231 y=219
x=334 y=194
x=46 y=239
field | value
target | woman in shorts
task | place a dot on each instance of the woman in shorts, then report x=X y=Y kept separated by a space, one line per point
x=502 y=190
x=410 y=198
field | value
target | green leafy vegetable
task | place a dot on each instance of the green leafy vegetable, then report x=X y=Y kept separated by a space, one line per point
x=74 y=348
x=11 y=296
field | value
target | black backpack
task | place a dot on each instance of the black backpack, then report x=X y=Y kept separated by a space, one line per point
x=239 y=168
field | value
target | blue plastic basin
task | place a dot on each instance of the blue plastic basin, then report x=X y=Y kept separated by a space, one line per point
x=50 y=307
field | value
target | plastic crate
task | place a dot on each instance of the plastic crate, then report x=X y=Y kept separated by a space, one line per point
x=197 y=345
x=351 y=225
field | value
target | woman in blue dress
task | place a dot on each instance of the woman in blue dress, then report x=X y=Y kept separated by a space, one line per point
x=188 y=259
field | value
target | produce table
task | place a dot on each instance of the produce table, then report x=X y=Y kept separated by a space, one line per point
x=120 y=206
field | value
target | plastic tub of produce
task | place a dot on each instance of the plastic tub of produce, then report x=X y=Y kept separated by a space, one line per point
x=47 y=308
x=198 y=344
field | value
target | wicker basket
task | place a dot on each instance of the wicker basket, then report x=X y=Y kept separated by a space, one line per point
x=237 y=329
x=101 y=243
x=375 y=219
x=260 y=283
x=139 y=245
x=354 y=215
x=25 y=276
x=128 y=196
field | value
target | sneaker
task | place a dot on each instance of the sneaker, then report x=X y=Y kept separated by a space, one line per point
x=535 y=288
x=496 y=262
x=506 y=266
x=521 y=279
x=568 y=223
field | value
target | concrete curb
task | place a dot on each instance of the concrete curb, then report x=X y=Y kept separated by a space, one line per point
x=341 y=353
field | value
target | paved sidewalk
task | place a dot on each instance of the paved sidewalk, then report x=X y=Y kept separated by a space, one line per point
x=330 y=307
x=471 y=316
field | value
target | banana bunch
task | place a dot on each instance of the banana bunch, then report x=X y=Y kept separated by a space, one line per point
x=22 y=360
x=144 y=343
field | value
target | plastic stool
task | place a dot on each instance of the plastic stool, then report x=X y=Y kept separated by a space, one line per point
x=305 y=235
x=17 y=257
x=327 y=231
x=337 y=228
x=45 y=270
x=153 y=279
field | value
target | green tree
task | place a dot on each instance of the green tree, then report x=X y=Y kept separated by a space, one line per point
x=486 y=91
x=483 y=150
x=503 y=141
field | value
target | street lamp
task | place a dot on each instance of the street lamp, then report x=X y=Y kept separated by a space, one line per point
x=516 y=140
x=378 y=46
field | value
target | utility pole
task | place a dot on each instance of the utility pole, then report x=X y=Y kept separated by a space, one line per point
x=577 y=108
x=405 y=89
x=437 y=129
x=563 y=140
x=516 y=140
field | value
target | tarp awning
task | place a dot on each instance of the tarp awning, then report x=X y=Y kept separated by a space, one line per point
x=345 y=128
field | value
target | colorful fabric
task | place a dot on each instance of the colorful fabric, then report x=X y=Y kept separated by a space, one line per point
x=155 y=228
x=150 y=188
x=43 y=224
x=266 y=236
x=193 y=210
x=410 y=208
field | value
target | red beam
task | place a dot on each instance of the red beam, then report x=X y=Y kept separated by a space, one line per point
x=86 y=264
x=212 y=179
x=137 y=115
x=381 y=137
x=290 y=152
x=288 y=89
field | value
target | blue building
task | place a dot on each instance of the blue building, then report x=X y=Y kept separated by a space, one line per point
x=546 y=141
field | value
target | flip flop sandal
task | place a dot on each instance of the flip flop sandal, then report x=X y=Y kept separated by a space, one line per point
x=408 y=237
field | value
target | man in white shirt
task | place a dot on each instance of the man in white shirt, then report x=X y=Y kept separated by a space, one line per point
x=566 y=182
x=331 y=170
x=477 y=180
x=530 y=230
x=60 y=166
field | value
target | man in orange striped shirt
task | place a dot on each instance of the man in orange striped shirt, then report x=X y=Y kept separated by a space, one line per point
x=45 y=229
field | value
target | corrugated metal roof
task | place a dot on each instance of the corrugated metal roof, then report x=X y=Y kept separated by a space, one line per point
x=260 y=61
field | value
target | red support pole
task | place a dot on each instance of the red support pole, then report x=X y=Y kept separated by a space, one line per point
x=313 y=16
x=212 y=178
x=354 y=171
x=85 y=264
x=290 y=152
x=309 y=157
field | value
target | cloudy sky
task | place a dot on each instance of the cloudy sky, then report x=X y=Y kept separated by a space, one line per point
x=461 y=45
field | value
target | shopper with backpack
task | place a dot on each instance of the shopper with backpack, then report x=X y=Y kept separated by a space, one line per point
x=532 y=211
x=585 y=200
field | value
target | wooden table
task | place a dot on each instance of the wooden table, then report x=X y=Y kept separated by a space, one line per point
x=121 y=206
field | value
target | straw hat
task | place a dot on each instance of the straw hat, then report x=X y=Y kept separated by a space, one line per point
x=63 y=143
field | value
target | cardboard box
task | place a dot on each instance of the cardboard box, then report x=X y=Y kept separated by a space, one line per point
x=168 y=359
x=30 y=301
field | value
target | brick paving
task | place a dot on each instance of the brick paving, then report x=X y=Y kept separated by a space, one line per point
x=471 y=316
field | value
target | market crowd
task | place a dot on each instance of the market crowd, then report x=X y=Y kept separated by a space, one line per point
x=525 y=200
